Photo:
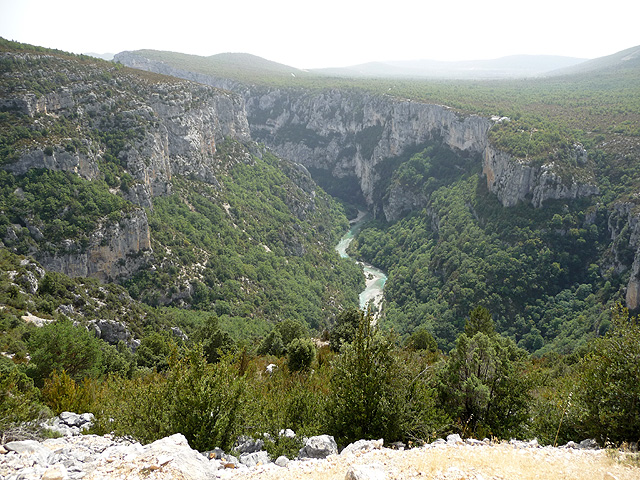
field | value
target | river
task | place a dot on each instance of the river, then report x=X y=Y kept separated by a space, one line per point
x=374 y=277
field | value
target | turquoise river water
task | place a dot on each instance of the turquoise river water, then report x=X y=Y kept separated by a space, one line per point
x=374 y=277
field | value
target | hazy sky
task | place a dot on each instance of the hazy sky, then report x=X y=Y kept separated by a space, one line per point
x=329 y=33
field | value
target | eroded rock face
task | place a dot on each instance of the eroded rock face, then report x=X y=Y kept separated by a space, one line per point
x=83 y=164
x=515 y=180
x=115 y=251
x=351 y=133
x=633 y=287
x=161 y=128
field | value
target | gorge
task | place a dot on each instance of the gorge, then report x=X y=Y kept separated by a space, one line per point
x=352 y=141
x=374 y=277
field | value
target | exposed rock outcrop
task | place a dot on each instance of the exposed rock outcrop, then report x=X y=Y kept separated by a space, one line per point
x=514 y=180
x=352 y=133
x=115 y=251
x=153 y=129
x=83 y=164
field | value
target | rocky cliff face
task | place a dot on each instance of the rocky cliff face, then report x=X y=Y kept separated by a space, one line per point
x=175 y=128
x=115 y=251
x=93 y=114
x=351 y=133
x=624 y=227
x=513 y=180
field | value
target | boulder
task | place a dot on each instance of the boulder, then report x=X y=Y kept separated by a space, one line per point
x=36 y=452
x=588 y=444
x=454 y=439
x=320 y=446
x=56 y=472
x=248 y=445
x=254 y=458
x=362 y=446
x=287 y=433
x=282 y=461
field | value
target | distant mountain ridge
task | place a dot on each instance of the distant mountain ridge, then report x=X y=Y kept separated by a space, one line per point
x=248 y=65
x=628 y=59
x=513 y=66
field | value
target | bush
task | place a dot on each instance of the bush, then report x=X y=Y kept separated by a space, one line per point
x=154 y=351
x=204 y=402
x=421 y=339
x=608 y=387
x=345 y=328
x=61 y=394
x=62 y=346
x=271 y=344
x=366 y=389
x=301 y=352
x=483 y=384
x=19 y=399
x=215 y=341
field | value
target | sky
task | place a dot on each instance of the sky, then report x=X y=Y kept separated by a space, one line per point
x=329 y=33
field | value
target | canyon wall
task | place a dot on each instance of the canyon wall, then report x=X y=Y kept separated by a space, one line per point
x=350 y=133
x=156 y=129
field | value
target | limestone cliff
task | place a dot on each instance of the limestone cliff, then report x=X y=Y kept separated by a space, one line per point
x=94 y=115
x=175 y=130
x=513 y=180
x=624 y=252
x=350 y=133
x=115 y=251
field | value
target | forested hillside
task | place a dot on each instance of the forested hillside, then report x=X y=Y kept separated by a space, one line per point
x=519 y=195
x=153 y=182
x=155 y=258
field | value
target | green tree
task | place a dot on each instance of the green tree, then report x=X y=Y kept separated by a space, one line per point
x=215 y=341
x=345 y=328
x=290 y=330
x=483 y=382
x=19 y=399
x=366 y=394
x=421 y=339
x=271 y=344
x=300 y=354
x=154 y=351
x=608 y=390
x=62 y=346
x=479 y=321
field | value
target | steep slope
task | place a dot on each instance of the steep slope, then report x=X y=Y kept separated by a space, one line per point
x=351 y=133
x=351 y=136
x=137 y=177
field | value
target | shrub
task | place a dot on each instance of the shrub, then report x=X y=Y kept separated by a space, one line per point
x=482 y=383
x=19 y=399
x=154 y=351
x=301 y=352
x=421 y=339
x=62 y=394
x=215 y=341
x=202 y=401
x=62 y=346
x=608 y=388
x=345 y=328
x=271 y=344
x=366 y=389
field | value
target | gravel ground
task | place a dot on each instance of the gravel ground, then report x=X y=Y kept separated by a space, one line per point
x=91 y=457
x=454 y=462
